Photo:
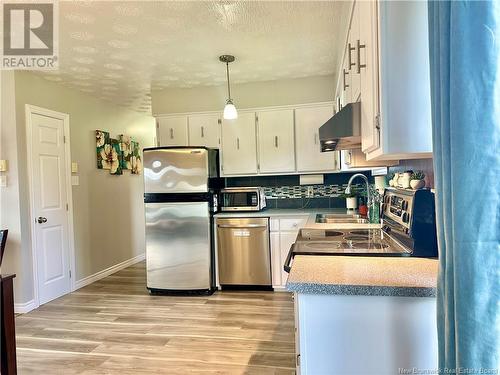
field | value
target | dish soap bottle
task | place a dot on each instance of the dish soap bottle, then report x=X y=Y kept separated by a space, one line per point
x=374 y=206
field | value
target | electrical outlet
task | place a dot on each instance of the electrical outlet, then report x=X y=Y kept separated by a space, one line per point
x=310 y=191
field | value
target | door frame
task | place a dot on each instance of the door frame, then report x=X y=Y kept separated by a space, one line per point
x=34 y=110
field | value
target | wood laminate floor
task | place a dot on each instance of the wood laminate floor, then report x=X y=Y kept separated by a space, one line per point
x=114 y=326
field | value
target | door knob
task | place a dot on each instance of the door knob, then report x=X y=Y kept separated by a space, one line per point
x=41 y=220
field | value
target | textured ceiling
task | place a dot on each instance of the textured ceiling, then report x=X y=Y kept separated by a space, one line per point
x=121 y=50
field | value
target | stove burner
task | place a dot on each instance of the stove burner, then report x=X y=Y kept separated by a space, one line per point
x=369 y=245
x=332 y=233
x=356 y=238
x=361 y=232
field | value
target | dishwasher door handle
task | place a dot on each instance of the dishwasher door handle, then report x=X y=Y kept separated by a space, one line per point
x=242 y=226
x=286 y=267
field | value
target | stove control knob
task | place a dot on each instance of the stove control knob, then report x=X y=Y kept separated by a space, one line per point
x=404 y=205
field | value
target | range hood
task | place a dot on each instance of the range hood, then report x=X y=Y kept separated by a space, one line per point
x=343 y=130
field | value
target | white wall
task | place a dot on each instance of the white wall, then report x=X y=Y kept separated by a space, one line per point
x=16 y=255
x=108 y=210
x=245 y=95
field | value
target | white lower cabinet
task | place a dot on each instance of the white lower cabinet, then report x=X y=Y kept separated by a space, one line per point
x=297 y=333
x=389 y=333
x=287 y=239
x=284 y=231
x=275 y=258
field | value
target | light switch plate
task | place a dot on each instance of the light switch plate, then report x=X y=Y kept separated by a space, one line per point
x=3 y=166
x=74 y=167
x=75 y=180
x=3 y=181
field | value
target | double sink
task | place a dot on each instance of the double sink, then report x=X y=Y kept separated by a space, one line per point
x=340 y=219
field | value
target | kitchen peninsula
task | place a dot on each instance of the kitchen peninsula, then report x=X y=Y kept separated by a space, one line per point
x=364 y=315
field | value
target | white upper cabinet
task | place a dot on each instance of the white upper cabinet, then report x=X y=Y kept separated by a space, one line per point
x=204 y=130
x=395 y=79
x=172 y=131
x=308 y=150
x=345 y=95
x=368 y=67
x=276 y=141
x=352 y=54
x=239 y=145
x=405 y=89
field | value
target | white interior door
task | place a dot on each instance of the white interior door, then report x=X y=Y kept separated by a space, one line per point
x=49 y=206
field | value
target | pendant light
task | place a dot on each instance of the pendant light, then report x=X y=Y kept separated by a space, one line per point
x=230 y=112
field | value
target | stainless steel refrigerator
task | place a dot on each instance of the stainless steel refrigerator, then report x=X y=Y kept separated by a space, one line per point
x=180 y=190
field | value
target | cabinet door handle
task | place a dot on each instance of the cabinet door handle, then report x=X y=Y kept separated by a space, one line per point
x=350 y=49
x=315 y=138
x=348 y=158
x=344 y=73
x=202 y=132
x=171 y=133
x=359 y=46
x=238 y=143
x=276 y=141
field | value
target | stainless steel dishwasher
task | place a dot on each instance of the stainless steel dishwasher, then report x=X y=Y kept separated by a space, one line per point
x=243 y=252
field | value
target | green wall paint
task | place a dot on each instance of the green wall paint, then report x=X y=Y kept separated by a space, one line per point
x=246 y=95
x=108 y=210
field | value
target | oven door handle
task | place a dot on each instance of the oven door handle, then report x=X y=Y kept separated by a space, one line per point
x=286 y=267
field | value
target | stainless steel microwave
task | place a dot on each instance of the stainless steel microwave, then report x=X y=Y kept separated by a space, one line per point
x=242 y=199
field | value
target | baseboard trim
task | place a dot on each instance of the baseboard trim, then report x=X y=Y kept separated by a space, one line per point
x=108 y=271
x=23 y=308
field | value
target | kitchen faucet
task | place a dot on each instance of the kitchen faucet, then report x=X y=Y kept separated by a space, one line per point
x=348 y=188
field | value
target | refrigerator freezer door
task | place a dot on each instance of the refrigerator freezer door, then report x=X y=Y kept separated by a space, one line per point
x=176 y=170
x=178 y=246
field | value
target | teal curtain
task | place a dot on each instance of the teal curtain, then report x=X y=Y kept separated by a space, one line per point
x=465 y=88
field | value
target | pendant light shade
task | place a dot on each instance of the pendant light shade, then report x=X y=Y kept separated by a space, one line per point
x=230 y=112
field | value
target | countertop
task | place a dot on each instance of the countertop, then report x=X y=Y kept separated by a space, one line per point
x=352 y=275
x=309 y=212
x=365 y=276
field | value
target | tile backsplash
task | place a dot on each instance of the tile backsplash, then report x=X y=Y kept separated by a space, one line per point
x=309 y=191
x=286 y=192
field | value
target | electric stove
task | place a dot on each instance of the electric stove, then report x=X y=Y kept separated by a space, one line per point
x=408 y=229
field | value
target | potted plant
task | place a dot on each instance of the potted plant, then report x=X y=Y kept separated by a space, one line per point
x=417 y=180
x=351 y=199
x=390 y=179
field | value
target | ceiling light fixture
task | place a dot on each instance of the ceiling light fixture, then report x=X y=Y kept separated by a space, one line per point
x=230 y=112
